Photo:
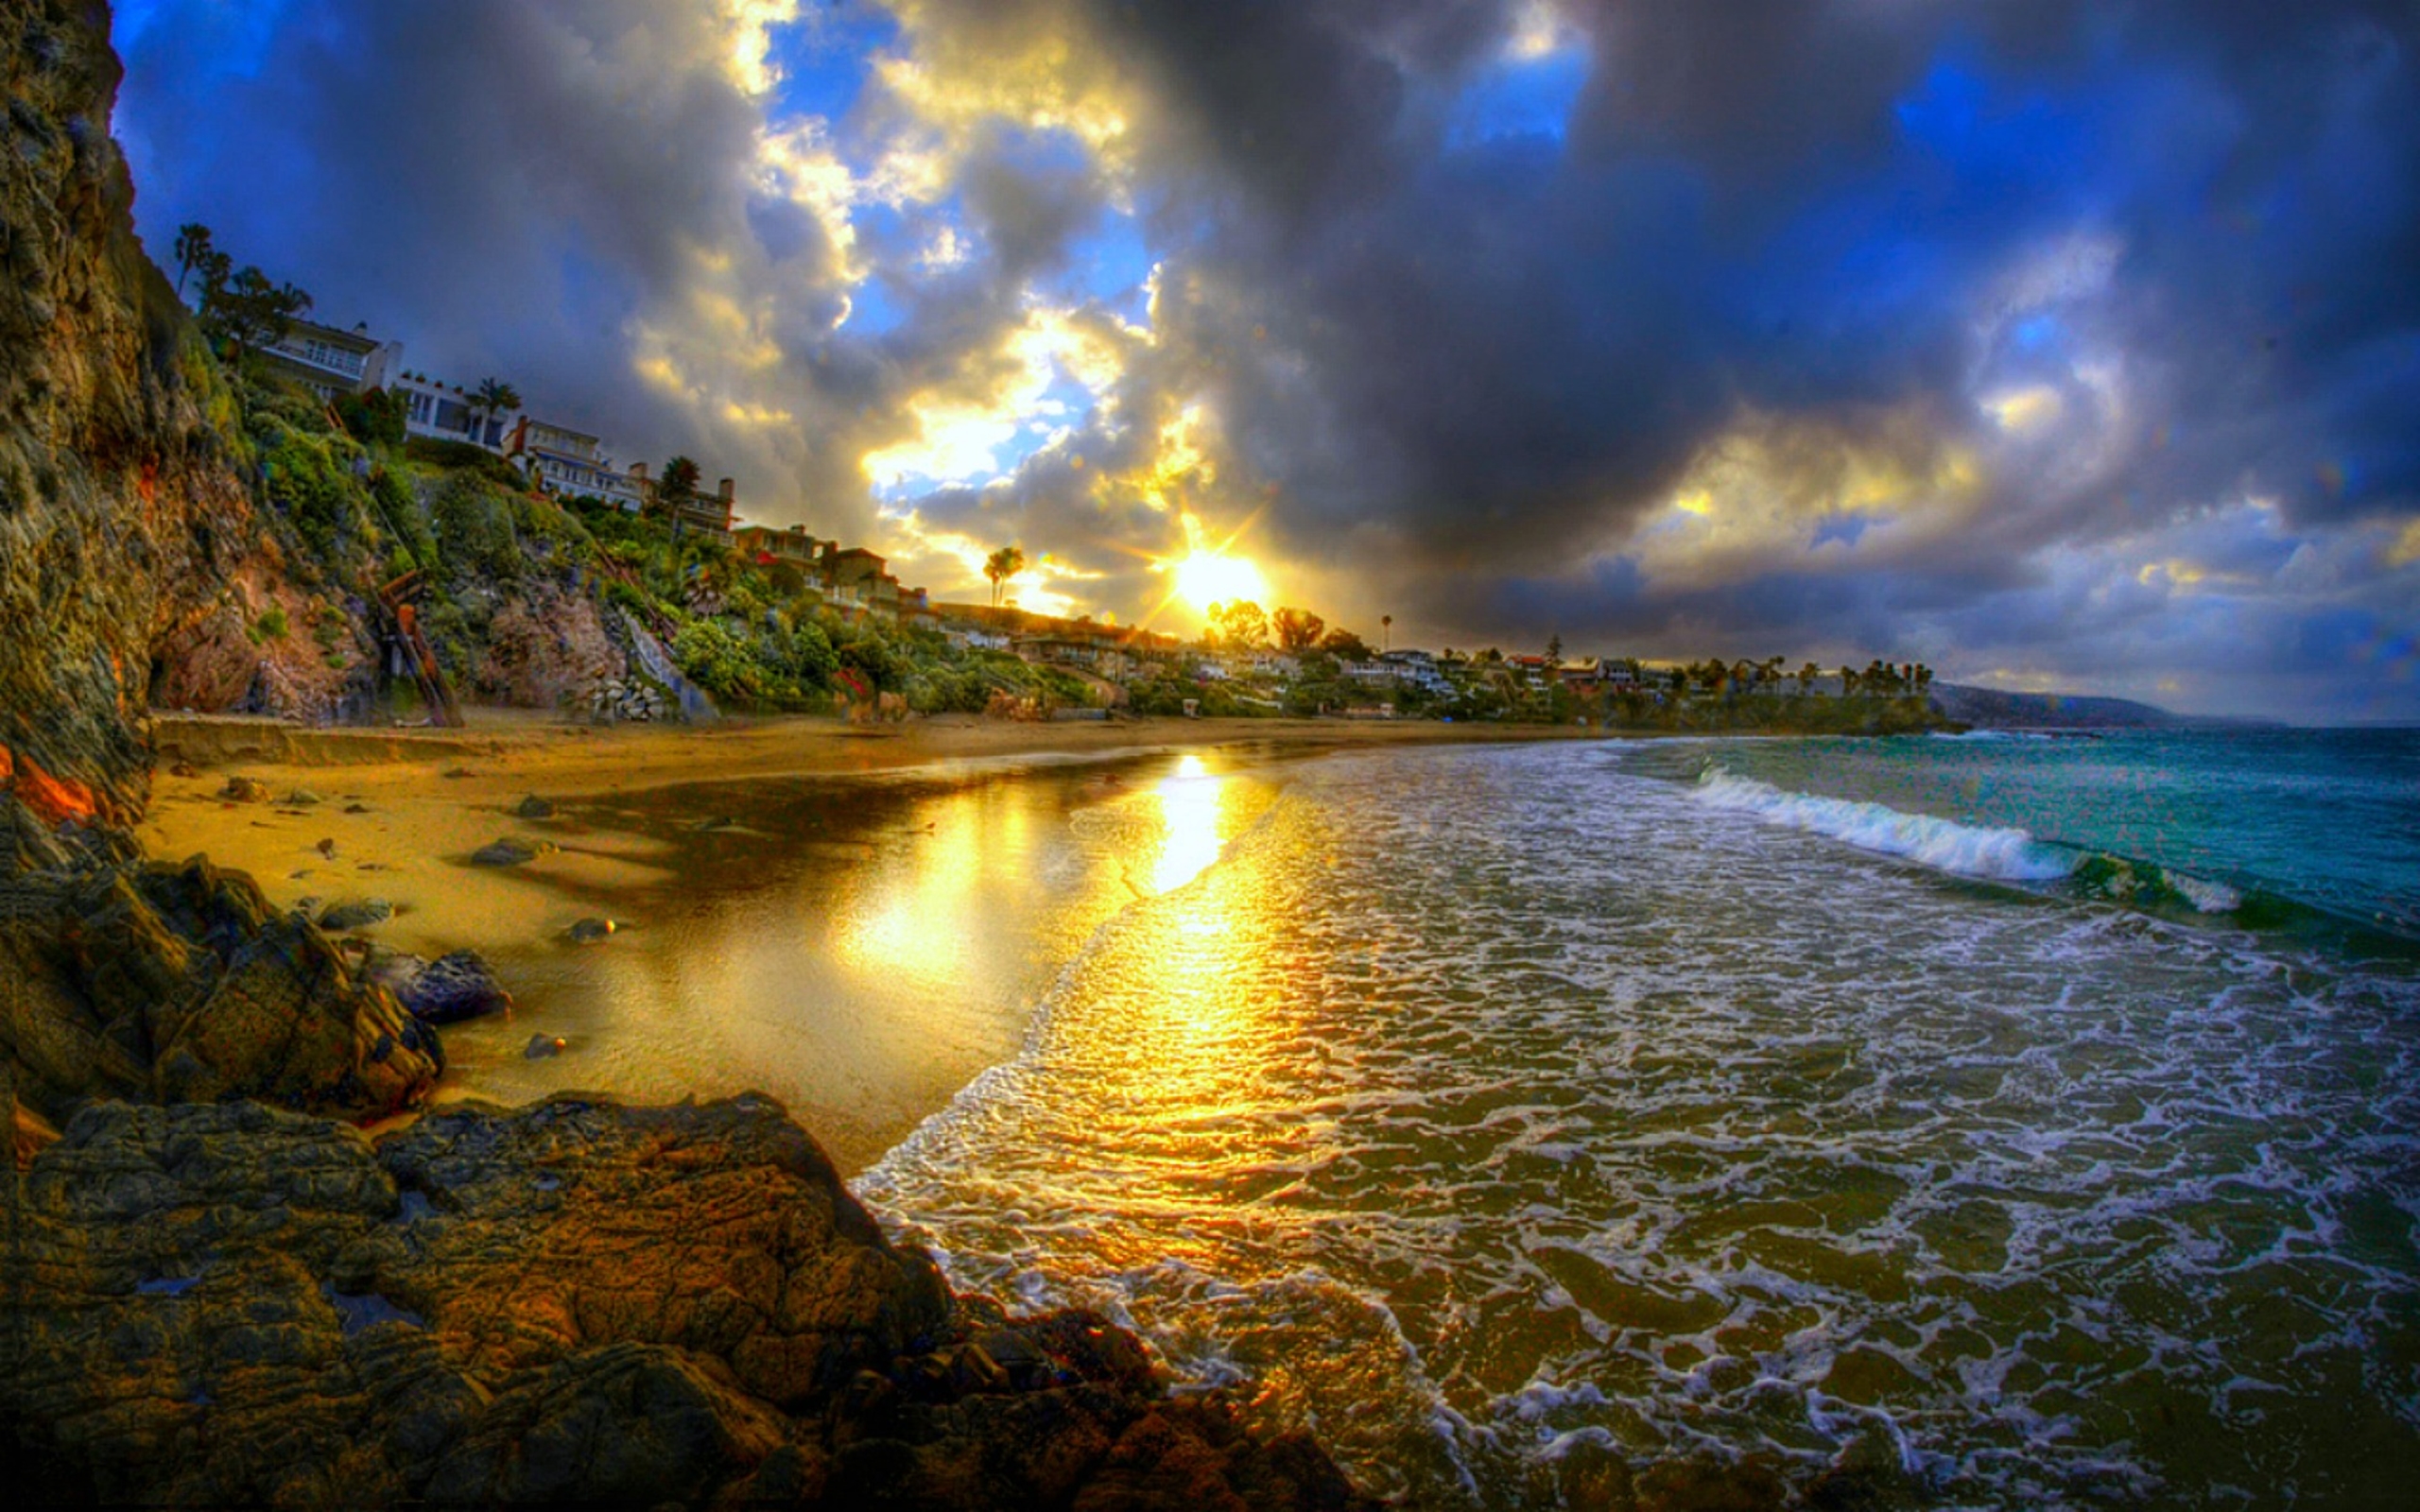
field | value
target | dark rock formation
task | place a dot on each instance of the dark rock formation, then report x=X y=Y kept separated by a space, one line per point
x=573 y=1302
x=180 y=984
x=454 y=987
x=510 y=851
x=121 y=510
x=357 y=913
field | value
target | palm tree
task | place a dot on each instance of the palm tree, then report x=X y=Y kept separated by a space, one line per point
x=193 y=251
x=674 y=488
x=1386 y=632
x=491 y=399
x=1000 y=566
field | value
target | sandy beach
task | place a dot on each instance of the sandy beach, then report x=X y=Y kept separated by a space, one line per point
x=879 y=878
x=406 y=808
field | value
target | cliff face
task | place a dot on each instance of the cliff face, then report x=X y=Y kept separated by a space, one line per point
x=122 y=516
x=121 y=509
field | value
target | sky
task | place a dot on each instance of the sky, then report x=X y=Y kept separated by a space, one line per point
x=2055 y=345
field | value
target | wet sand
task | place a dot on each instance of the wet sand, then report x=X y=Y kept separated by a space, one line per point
x=856 y=923
x=405 y=809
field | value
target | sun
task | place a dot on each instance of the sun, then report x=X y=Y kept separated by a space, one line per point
x=1207 y=577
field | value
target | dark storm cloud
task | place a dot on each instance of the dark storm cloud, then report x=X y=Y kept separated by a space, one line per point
x=1798 y=207
x=487 y=180
x=573 y=196
x=1509 y=351
x=2113 y=270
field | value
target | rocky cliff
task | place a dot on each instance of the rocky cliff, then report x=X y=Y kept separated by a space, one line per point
x=215 y=1288
x=121 y=509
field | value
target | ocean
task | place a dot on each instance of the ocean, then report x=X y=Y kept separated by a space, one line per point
x=2041 y=1114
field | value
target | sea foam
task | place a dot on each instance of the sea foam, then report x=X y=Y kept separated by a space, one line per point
x=1970 y=850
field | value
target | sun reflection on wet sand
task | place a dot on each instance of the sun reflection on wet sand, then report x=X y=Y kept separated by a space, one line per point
x=1181 y=1026
x=859 y=953
x=1191 y=805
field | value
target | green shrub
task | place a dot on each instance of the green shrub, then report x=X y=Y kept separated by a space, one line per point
x=375 y=417
x=461 y=457
x=718 y=660
x=622 y=596
x=474 y=526
x=399 y=511
x=545 y=520
x=271 y=625
x=310 y=481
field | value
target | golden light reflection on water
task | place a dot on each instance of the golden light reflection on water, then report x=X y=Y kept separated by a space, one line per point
x=1176 y=1022
x=1192 y=805
x=908 y=924
x=862 y=956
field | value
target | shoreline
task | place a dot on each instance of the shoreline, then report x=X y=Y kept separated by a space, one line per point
x=400 y=813
x=652 y=827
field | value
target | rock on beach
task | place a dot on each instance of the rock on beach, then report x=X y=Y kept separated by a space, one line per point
x=455 y=987
x=510 y=851
x=247 y=1307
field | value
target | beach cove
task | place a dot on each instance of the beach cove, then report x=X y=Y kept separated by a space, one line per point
x=919 y=888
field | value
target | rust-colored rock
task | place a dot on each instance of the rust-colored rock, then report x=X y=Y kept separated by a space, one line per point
x=180 y=984
x=575 y=1302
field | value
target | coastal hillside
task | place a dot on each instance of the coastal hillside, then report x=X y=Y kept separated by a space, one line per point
x=1991 y=708
x=219 y=1291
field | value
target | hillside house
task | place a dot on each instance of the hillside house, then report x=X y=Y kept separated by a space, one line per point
x=768 y=544
x=565 y=461
x=330 y=361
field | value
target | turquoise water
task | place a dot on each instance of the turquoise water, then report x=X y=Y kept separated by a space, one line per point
x=1991 y=1104
x=2325 y=818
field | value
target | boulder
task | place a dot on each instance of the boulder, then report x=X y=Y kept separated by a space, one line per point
x=589 y=931
x=357 y=913
x=575 y=1302
x=182 y=984
x=244 y=790
x=455 y=987
x=510 y=851
x=533 y=807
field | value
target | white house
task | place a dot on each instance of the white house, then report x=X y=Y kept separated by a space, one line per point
x=330 y=361
x=446 y=414
x=566 y=461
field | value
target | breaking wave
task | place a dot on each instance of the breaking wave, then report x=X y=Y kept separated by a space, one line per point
x=1969 y=851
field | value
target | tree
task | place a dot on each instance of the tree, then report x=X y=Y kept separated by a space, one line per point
x=194 y=250
x=1387 y=631
x=674 y=489
x=1344 y=646
x=1808 y=676
x=1298 y=630
x=491 y=399
x=1241 y=625
x=373 y=415
x=1554 y=648
x=247 y=312
x=1000 y=566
